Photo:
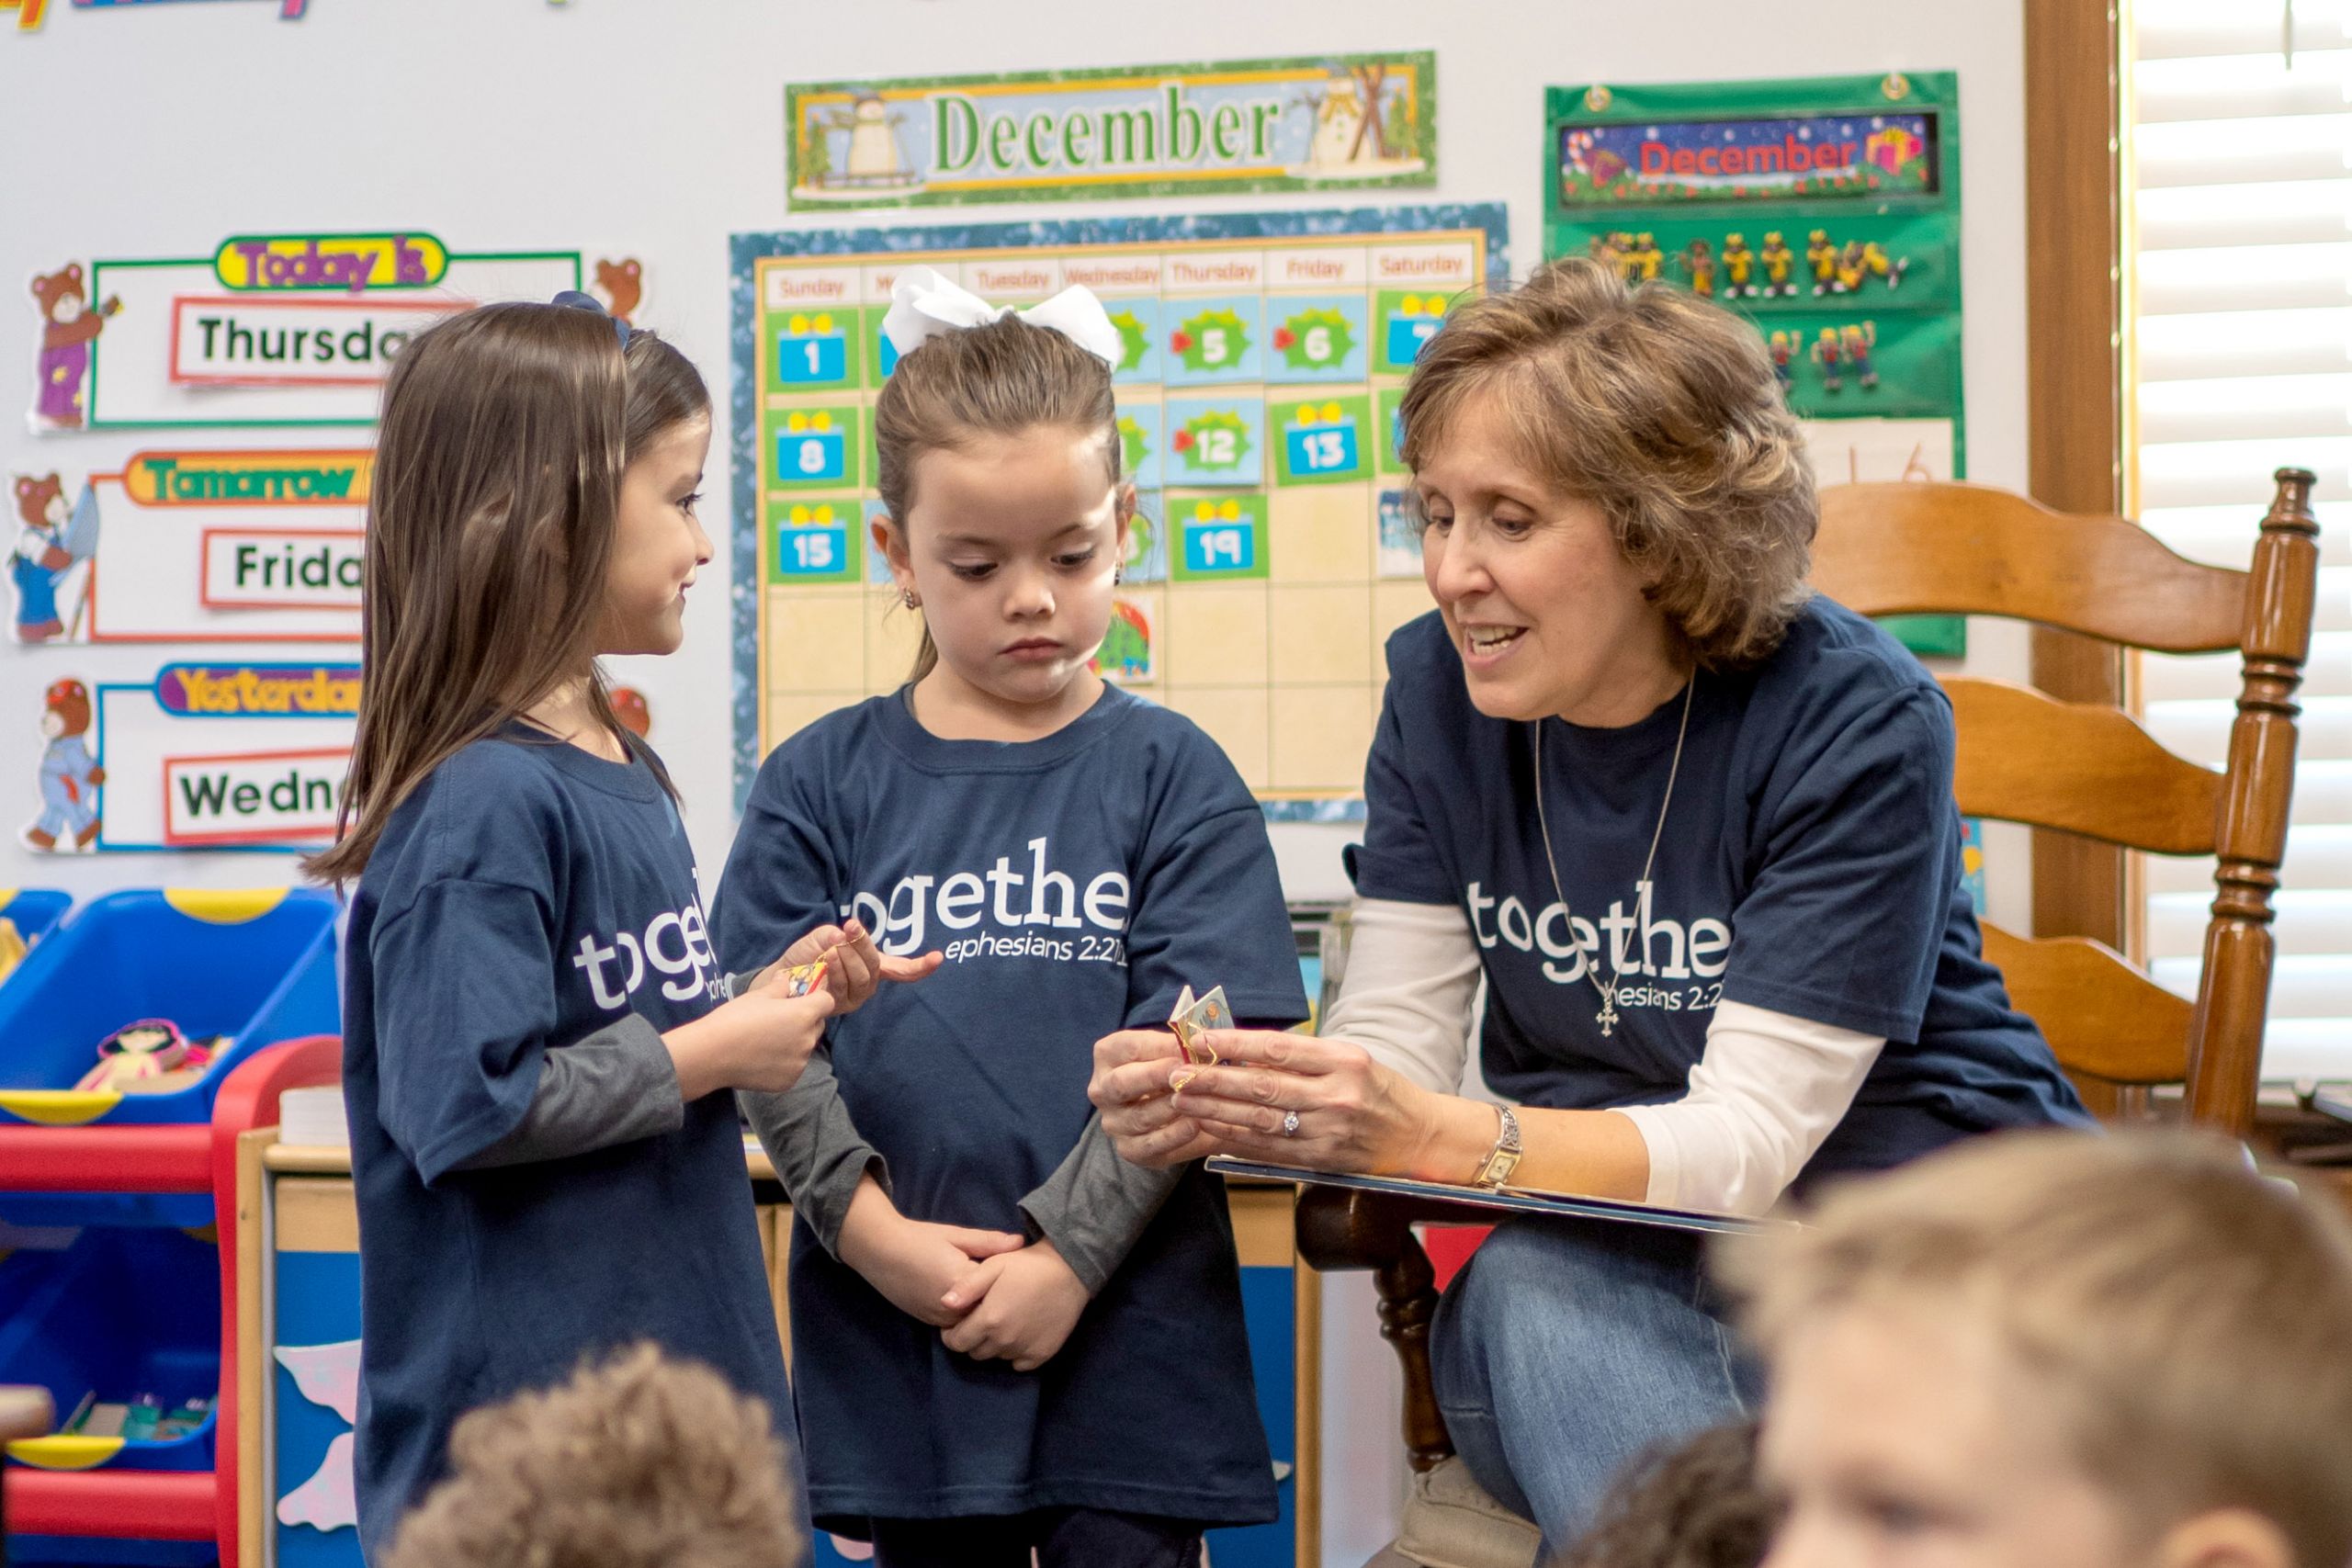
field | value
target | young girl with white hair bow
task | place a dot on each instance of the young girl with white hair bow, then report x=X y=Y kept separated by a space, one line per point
x=989 y=1308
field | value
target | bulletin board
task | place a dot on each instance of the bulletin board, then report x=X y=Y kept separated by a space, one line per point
x=242 y=374
x=1272 y=553
x=1826 y=211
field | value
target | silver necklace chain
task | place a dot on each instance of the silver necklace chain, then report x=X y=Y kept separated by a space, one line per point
x=1607 y=1016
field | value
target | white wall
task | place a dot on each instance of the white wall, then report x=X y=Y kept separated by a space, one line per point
x=653 y=128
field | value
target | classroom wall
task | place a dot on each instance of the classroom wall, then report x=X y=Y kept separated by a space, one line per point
x=653 y=128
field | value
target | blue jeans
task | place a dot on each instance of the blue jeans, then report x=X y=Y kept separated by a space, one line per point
x=1565 y=1349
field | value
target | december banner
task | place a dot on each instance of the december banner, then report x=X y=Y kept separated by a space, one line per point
x=1748 y=160
x=1339 y=122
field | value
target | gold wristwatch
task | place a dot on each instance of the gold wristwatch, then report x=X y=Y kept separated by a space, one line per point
x=1503 y=1158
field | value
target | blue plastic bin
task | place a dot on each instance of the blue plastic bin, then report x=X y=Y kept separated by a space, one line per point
x=33 y=912
x=120 y=1312
x=257 y=966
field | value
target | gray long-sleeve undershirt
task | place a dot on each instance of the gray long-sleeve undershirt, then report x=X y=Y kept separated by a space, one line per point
x=614 y=1086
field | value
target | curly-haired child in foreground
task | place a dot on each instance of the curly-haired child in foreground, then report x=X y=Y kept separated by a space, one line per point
x=2044 y=1348
x=1695 y=1504
x=638 y=1462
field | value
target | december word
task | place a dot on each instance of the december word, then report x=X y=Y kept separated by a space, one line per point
x=1165 y=130
x=1788 y=156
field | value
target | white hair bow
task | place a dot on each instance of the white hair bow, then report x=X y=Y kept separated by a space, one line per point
x=923 y=304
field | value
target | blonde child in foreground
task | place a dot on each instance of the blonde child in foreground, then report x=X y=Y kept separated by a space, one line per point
x=641 y=1463
x=2052 y=1351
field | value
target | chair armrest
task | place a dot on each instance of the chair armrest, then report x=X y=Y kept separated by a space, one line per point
x=1342 y=1228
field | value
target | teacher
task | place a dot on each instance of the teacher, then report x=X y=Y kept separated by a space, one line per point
x=1693 y=828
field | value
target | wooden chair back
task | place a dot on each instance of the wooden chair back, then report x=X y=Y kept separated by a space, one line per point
x=2092 y=769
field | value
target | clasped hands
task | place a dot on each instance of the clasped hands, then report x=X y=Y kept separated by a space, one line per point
x=993 y=1295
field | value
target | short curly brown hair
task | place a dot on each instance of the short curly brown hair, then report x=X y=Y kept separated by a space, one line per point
x=1665 y=412
x=638 y=1462
x=1697 y=1504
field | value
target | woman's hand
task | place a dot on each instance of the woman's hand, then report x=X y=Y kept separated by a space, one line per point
x=1354 y=1114
x=857 y=969
x=1130 y=1086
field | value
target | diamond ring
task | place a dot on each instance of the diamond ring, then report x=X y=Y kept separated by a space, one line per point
x=1290 y=1123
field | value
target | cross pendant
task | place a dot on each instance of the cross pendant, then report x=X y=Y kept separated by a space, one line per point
x=1607 y=1016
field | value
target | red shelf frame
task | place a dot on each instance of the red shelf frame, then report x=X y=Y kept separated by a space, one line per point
x=195 y=1157
x=142 y=1505
x=107 y=1159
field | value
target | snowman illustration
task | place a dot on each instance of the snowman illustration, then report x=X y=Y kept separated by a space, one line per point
x=872 y=159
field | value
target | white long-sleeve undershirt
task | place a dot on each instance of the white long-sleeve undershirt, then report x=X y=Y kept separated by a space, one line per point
x=1767 y=1090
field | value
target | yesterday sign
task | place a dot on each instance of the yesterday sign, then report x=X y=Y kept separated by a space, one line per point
x=1329 y=121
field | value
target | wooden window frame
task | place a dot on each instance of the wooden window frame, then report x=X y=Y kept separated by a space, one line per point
x=2076 y=342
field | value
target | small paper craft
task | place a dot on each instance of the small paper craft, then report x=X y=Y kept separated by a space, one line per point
x=1191 y=1018
x=803 y=978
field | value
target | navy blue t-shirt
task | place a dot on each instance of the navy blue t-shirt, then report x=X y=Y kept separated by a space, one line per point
x=1074 y=883
x=526 y=895
x=1810 y=864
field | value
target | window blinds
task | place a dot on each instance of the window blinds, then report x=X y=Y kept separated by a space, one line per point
x=2240 y=246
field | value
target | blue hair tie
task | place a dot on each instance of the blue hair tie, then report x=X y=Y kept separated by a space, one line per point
x=575 y=299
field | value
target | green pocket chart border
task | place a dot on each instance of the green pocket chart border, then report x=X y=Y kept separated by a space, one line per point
x=1824 y=209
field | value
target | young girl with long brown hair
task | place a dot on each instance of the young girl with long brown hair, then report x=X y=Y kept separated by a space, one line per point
x=539 y=1040
x=1078 y=855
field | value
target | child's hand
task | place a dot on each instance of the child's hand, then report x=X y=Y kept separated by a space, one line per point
x=760 y=1041
x=858 y=967
x=1017 y=1307
x=913 y=1262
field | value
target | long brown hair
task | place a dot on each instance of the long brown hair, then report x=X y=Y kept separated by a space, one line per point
x=490 y=523
x=999 y=378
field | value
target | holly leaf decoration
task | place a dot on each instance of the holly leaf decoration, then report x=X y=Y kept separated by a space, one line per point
x=1314 y=340
x=1132 y=446
x=1210 y=341
x=1212 y=442
x=1132 y=344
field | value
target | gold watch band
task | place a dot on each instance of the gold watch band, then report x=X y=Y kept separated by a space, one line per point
x=1503 y=1158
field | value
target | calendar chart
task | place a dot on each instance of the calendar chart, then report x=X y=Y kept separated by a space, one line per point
x=1272 y=553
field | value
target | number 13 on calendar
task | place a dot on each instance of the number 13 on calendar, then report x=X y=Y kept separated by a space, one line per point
x=1323 y=440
